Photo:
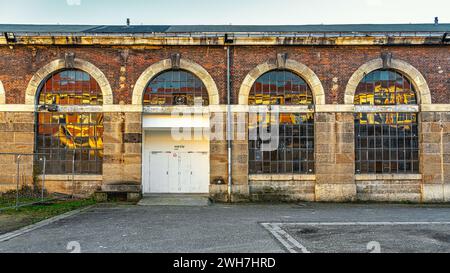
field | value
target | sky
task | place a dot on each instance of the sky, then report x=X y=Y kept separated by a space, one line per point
x=215 y=12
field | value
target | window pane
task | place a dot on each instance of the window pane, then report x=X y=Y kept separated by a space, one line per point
x=63 y=137
x=294 y=152
x=280 y=88
x=177 y=87
x=395 y=151
x=385 y=87
x=70 y=87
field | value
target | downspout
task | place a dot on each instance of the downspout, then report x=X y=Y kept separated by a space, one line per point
x=441 y=125
x=229 y=126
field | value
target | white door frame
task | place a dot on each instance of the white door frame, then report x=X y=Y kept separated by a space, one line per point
x=146 y=161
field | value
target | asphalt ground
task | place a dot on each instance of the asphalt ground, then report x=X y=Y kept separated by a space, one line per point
x=244 y=228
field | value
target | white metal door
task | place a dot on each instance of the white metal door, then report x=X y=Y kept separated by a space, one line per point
x=185 y=173
x=174 y=173
x=199 y=175
x=174 y=166
x=159 y=176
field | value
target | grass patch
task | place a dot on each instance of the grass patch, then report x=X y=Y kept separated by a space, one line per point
x=27 y=194
x=12 y=219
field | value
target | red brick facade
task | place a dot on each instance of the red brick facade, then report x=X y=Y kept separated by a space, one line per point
x=334 y=65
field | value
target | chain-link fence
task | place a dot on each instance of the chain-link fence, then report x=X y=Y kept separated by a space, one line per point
x=23 y=180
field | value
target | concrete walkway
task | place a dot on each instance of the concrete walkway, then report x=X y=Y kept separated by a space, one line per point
x=188 y=200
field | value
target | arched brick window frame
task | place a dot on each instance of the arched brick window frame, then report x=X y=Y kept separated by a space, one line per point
x=298 y=68
x=166 y=65
x=2 y=94
x=406 y=69
x=60 y=64
x=32 y=94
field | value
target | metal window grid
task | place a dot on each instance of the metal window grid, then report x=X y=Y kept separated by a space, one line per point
x=71 y=142
x=177 y=87
x=70 y=87
x=295 y=152
x=280 y=87
x=386 y=142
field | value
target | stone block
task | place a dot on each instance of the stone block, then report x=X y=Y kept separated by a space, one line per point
x=431 y=168
x=322 y=138
x=133 y=117
x=345 y=148
x=345 y=158
x=325 y=149
x=133 y=197
x=113 y=148
x=23 y=127
x=346 y=118
x=23 y=137
x=434 y=193
x=431 y=148
x=133 y=148
x=132 y=138
x=345 y=138
x=133 y=128
x=132 y=159
x=118 y=187
x=324 y=127
x=240 y=179
x=345 y=127
x=335 y=178
x=101 y=197
x=109 y=138
x=428 y=116
x=325 y=158
x=335 y=192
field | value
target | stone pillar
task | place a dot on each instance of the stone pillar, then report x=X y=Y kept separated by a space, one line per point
x=239 y=159
x=16 y=136
x=219 y=159
x=435 y=156
x=335 y=167
x=122 y=163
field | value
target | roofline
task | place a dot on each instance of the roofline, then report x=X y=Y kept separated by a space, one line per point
x=221 y=40
x=98 y=35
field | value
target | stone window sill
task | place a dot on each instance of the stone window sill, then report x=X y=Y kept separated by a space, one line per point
x=282 y=177
x=364 y=177
x=65 y=177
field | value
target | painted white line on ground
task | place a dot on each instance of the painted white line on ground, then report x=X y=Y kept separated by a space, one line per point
x=360 y=223
x=284 y=238
x=19 y=232
x=293 y=245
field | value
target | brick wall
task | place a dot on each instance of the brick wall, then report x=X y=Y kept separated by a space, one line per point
x=334 y=65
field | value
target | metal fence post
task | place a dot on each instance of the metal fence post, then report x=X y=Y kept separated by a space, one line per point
x=73 y=174
x=43 y=179
x=17 y=178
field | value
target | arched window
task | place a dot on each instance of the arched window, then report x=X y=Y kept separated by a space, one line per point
x=72 y=142
x=280 y=88
x=294 y=153
x=176 y=87
x=386 y=141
